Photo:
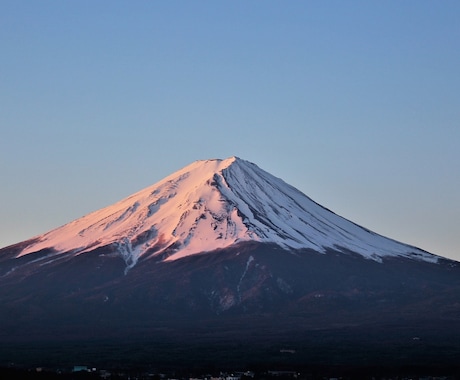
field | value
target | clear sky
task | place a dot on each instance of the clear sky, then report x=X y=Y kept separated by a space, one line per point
x=355 y=103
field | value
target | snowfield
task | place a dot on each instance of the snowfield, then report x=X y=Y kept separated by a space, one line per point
x=214 y=204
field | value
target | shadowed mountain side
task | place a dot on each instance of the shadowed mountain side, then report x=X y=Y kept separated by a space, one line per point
x=251 y=287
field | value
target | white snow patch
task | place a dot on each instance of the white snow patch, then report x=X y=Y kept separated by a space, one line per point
x=214 y=204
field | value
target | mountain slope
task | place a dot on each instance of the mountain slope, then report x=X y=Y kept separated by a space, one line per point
x=237 y=306
x=214 y=204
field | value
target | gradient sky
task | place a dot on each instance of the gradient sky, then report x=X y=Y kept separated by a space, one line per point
x=355 y=103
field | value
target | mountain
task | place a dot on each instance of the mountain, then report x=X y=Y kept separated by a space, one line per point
x=222 y=262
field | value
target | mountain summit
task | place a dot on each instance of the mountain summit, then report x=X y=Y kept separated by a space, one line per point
x=213 y=204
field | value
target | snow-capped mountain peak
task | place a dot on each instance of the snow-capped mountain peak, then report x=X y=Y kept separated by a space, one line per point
x=214 y=204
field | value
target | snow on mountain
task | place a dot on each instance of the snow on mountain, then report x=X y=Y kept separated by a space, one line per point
x=214 y=204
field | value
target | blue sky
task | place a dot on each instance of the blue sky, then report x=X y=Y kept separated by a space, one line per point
x=355 y=103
